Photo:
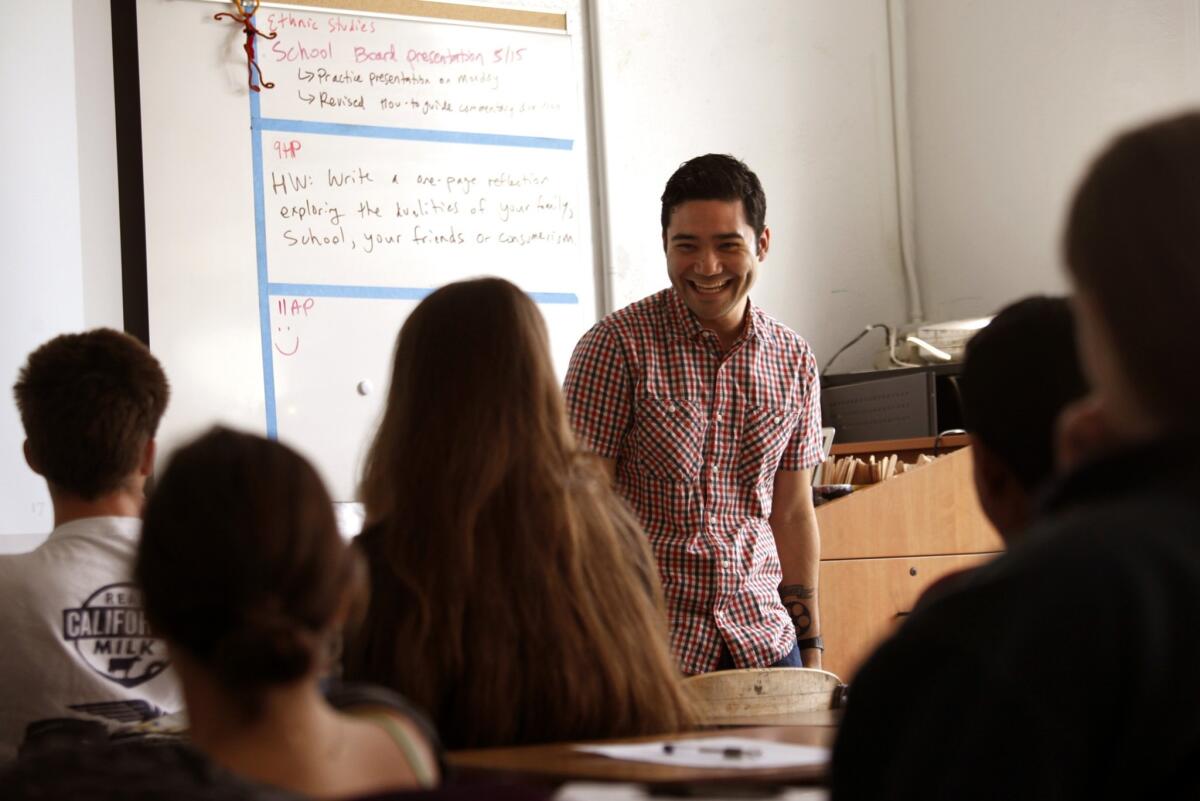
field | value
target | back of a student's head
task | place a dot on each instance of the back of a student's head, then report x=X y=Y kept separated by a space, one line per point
x=1132 y=248
x=241 y=564
x=472 y=366
x=482 y=507
x=1019 y=373
x=90 y=403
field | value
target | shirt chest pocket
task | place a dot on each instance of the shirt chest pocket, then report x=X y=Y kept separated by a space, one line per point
x=670 y=438
x=765 y=435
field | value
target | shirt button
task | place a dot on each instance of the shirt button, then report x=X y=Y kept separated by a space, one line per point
x=717 y=416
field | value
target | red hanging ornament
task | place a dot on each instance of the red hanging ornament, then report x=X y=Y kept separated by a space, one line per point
x=244 y=17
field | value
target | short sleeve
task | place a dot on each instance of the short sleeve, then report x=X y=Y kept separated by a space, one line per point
x=598 y=391
x=804 y=450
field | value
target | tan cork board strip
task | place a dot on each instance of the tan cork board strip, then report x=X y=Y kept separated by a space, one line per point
x=448 y=11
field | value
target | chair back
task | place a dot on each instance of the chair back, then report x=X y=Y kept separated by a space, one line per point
x=738 y=694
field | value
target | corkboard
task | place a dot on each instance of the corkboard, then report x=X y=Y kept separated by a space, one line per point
x=448 y=11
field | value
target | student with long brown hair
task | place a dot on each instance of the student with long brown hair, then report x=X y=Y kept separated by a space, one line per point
x=245 y=575
x=513 y=594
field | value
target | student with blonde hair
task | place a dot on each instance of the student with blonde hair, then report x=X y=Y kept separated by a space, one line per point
x=513 y=594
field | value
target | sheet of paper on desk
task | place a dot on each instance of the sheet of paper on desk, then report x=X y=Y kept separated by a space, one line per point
x=716 y=752
x=615 y=791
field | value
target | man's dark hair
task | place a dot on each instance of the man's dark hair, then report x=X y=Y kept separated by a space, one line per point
x=89 y=403
x=1018 y=374
x=716 y=177
x=1132 y=245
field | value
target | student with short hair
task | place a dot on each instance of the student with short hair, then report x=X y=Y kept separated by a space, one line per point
x=513 y=594
x=1019 y=373
x=247 y=578
x=77 y=642
x=1066 y=668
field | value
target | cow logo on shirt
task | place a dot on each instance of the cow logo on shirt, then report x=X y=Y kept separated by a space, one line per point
x=110 y=632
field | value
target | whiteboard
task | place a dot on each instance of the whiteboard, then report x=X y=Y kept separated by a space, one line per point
x=290 y=232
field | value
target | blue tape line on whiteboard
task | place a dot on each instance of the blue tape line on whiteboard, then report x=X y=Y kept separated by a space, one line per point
x=337 y=291
x=553 y=297
x=413 y=134
x=260 y=244
x=391 y=292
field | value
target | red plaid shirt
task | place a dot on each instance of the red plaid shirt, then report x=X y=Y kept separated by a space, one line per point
x=697 y=436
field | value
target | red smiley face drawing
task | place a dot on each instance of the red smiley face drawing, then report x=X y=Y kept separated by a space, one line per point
x=284 y=331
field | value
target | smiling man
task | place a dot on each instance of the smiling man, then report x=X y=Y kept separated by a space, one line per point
x=706 y=412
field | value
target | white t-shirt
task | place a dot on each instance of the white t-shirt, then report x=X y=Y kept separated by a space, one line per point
x=76 y=642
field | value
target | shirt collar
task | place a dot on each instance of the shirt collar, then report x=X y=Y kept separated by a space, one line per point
x=125 y=528
x=686 y=326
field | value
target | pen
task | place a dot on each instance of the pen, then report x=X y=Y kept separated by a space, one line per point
x=731 y=753
x=728 y=753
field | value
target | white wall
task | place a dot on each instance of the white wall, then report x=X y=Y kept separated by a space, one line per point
x=1008 y=100
x=800 y=91
x=60 y=265
x=99 y=217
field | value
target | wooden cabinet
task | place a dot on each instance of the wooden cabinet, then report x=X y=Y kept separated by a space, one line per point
x=882 y=545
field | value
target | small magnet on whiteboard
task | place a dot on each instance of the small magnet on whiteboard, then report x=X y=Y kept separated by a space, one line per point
x=364 y=387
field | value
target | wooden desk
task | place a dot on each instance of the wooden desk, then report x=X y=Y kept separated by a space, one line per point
x=560 y=762
x=814 y=717
x=907 y=449
x=882 y=545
